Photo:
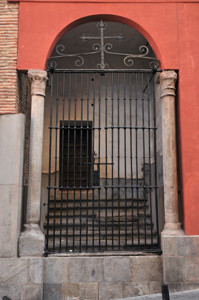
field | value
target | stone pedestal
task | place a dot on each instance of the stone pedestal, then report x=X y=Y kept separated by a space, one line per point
x=167 y=83
x=180 y=262
x=32 y=239
x=11 y=178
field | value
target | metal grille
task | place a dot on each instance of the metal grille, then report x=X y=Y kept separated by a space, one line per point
x=102 y=182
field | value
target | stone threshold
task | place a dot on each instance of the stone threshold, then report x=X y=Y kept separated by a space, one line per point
x=98 y=254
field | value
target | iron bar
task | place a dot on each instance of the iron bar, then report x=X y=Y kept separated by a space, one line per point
x=68 y=153
x=131 y=150
x=99 y=187
x=144 y=154
x=98 y=71
x=55 y=166
x=136 y=153
x=105 y=127
x=149 y=145
x=103 y=200
x=87 y=159
x=106 y=154
x=118 y=153
x=125 y=154
x=155 y=172
x=49 y=164
x=62 y=153
x=81 y=137
x=74 y=159
x=99 y=158
x=112 y=151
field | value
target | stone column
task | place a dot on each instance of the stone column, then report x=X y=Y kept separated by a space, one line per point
x=167 y=83
x=32 y=239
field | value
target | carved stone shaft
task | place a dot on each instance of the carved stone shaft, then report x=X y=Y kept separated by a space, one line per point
x=167 y=82
x=31 y=242
x=38 y=84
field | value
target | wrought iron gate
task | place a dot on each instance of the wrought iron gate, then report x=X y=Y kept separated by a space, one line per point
x=102 y=183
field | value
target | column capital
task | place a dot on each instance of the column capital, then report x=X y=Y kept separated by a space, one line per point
x=38 y=82
x=167 y=82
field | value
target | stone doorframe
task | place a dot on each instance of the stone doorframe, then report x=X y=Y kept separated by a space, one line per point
x=31 y=242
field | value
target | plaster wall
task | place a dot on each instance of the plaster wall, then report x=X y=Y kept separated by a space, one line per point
x=143 y=17
x=188 y=107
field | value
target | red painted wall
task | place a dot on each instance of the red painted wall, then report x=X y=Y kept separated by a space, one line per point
x=51 y=19
x=172 y=29
x=188 y=32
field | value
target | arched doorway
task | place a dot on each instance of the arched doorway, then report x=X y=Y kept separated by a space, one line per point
x=102 y=143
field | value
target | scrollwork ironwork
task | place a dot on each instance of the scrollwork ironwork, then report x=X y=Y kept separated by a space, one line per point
x=102 y=48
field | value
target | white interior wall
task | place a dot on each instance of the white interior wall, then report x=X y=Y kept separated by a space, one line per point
x=94 y=107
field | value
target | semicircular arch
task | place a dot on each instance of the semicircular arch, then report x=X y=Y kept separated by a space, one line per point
x=109 y=18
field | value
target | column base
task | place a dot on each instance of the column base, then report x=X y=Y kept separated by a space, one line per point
x=31 y=241
x=172 y=229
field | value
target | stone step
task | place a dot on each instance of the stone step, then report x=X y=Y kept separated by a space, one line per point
x=103 y=211
x=107 y=244
x=103 y=222
x=96 y=200
x=136 y=190
x=84 y=220
x=93 y=207
x=102 y=196
x=100 y=210
x=100 y=214
x=101 y=217
x=84 y=232
x=91 y=196
x=96 y=205
x=84 y=212
x=109 y=222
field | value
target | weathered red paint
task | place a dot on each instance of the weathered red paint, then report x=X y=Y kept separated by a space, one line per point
x=110 y=1
x=51 y=20
x=171 y=27
x=188 y=19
